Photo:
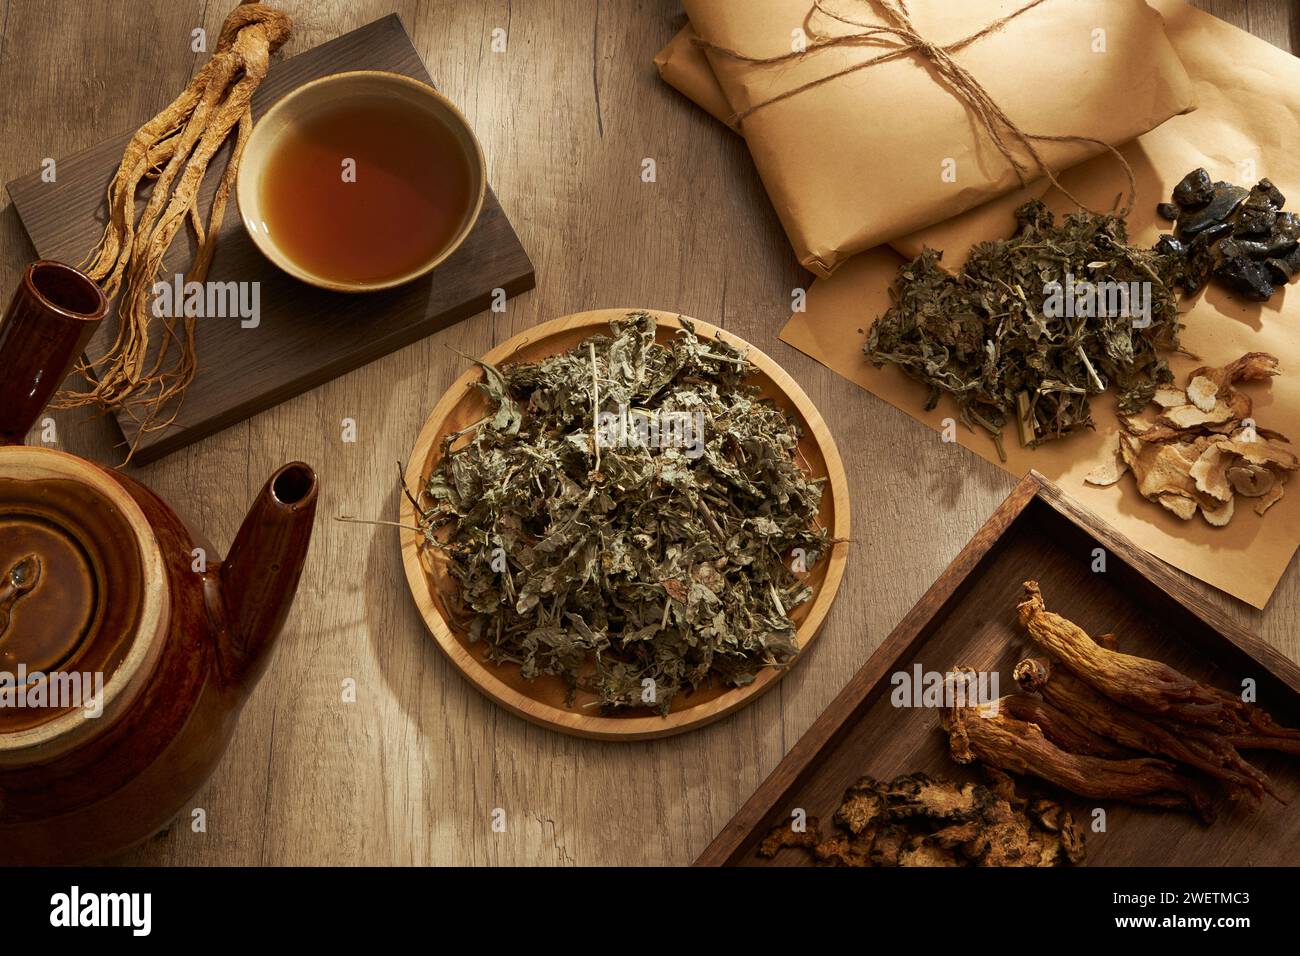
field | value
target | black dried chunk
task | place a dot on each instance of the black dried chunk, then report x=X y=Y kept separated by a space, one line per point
x=1255 y=222
x=1195 y=190
x=1283 y=268
x=1287 y=226
x=1271 y=248
x=1239 y=236
x=1224 y=202
x=1246 y=276
x=1167 y=210
x=1280 y=271
x=1200 y=263
x=1214 y=233
x=1168 y=245
x=1266 y=190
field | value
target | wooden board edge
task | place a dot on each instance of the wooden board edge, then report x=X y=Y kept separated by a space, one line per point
x=827 y=729
x=177 y=438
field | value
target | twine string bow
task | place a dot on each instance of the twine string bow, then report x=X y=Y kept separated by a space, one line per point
x=899 y=34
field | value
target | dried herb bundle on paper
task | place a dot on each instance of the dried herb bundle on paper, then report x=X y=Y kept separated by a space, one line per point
x=588 y=546
x=1034 y=325
x=917 y=820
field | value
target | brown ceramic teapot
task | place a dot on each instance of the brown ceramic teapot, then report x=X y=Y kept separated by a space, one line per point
x=126 y=648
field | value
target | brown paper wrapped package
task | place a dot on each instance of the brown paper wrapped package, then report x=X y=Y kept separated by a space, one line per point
x=685 y=68
x=860 y=160
x=1247 y=125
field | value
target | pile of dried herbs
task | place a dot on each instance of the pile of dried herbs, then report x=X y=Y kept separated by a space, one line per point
x=632 y=570
x=1029 y=328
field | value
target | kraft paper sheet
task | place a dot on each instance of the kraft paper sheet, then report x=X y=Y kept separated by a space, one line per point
x=1246 y=126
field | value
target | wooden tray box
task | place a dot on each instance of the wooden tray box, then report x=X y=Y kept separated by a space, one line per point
x=968 y=618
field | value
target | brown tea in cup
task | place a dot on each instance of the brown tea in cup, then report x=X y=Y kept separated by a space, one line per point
x=361 y=181
x=368 y=191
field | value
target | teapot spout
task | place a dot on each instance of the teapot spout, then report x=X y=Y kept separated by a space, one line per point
x=51 y=317
x=260 y=575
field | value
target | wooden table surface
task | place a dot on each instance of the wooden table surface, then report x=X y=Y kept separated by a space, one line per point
x=413 y=770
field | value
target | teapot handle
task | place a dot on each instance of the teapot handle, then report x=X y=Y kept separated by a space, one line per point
x=51 y=317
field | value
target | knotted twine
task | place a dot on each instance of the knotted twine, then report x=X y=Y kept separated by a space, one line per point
x=903 y=39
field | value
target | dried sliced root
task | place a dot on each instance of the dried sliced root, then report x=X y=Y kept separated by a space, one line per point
x=1202 y=449
x=918 y=820
x=1108 y=473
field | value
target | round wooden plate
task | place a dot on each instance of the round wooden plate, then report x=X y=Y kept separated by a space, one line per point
x=542 y=700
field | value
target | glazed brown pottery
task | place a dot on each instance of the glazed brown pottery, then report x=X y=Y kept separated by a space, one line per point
x=126 y=646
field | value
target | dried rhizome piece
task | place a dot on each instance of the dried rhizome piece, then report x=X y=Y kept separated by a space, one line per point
x=1203 y=449
x=917 y=820
x=1114 y=725
x=1140 y=734
x=1144 y=685
x=173 y=150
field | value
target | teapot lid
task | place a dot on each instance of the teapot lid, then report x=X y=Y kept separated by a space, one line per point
x=81 y=580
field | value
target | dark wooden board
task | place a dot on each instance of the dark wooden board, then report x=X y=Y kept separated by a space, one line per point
x=307 y=336
x=968 y=618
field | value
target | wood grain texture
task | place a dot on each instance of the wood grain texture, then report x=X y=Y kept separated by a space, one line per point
x=303 y=336
x=545 y=700
x=967 y=618
x=411 y=772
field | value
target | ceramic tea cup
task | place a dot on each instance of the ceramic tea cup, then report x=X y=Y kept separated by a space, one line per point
x=361 y=181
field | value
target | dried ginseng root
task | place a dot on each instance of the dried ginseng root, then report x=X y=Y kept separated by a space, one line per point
x=1212 y=754
x=173 y=149
x=1145 y=685
x=1059 y=727
x=995 y=738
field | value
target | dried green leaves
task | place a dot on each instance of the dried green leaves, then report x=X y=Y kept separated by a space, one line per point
x=1034 y=325
x=629 y=517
